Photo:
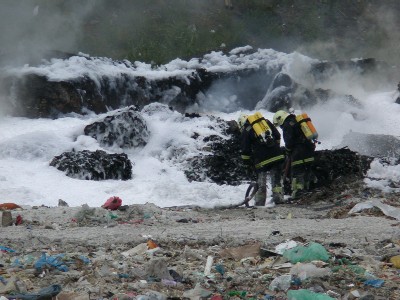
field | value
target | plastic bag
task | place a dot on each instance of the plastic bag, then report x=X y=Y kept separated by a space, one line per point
x=308 y=270
x=46 y=293
x=51 y=261
x=374 y=282
x=306 y=295
x=281 y=283
x=281 y=248
x=112 y=203
x=314 y=251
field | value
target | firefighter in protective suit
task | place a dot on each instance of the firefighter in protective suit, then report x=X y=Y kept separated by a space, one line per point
x=264 y=157
x=299 y=149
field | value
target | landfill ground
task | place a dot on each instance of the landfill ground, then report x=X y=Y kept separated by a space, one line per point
x=146 y=252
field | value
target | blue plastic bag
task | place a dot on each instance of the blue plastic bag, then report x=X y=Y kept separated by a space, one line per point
x=53 y=261
x=374 y=282
x=46 y=293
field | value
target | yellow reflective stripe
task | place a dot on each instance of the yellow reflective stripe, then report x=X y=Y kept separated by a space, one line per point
x=302 y=161
x=268 y=161
x=245 y=157
x=309 y=159
x=296 y=185
x=277 y=189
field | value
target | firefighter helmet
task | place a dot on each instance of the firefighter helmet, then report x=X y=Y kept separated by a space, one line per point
x=242 y=120
x=280 y=117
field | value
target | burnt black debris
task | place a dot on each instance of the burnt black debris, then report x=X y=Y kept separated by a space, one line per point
x=97 y=165
x=125 y=128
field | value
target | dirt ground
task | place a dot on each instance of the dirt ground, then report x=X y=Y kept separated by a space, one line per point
x=368 y=239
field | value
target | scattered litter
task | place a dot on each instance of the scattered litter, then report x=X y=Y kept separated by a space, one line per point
x=51 y=261
x=6 y=218
x=151 y=244
x=395 y=260
x=252 y=250
x=281 y=283
x=197 y=293
x=307 y=295
x=6 y=249
x=46 y=293
x=9 y=206
x=139 y=249
x=112 y=203
x=309 y=270
x=309 y=253
x=388 y=210
x=285 y=246
x=209 y=263
x=232 y=269
x=18 y=220
x=374 y=282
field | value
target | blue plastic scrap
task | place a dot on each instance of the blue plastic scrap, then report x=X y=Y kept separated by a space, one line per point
x=374 y=282
x=53 y=261
x=17 y=263
x=85 y=260
x=220 y=269
x=6 y=249
x=46 y=293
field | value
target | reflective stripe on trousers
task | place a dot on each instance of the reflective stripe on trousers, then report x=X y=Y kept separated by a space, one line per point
x=302 y=161
x=268 y=161
x=276 y=185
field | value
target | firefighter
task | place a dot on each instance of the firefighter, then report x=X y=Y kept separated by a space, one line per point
x=265 y=156
x=299 y=150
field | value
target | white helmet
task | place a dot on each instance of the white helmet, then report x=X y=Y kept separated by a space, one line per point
x=280 y=117
x=241 y=120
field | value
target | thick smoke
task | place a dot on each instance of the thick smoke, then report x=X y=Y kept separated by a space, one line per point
x=30 y=29
x=371 y=30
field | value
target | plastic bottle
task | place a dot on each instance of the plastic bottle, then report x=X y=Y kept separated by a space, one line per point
x=207 y=269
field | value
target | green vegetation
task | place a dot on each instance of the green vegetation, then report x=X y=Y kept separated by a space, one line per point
x=161 y=30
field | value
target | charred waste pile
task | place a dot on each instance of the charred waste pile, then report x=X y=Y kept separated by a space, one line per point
x=127 y=94
x=322 y=250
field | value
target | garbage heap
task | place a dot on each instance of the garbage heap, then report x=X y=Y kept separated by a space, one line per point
x=187 y=267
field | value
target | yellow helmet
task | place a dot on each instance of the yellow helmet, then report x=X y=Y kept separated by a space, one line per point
x=241 y=120
x=280 y=117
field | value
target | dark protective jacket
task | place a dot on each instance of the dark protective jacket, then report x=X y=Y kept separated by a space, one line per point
x=301 y=149
x=263 y=156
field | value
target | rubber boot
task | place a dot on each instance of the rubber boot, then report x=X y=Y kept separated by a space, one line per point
x=261 y=195
x=276 y=185
x=297 y=189
x=277 y=195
